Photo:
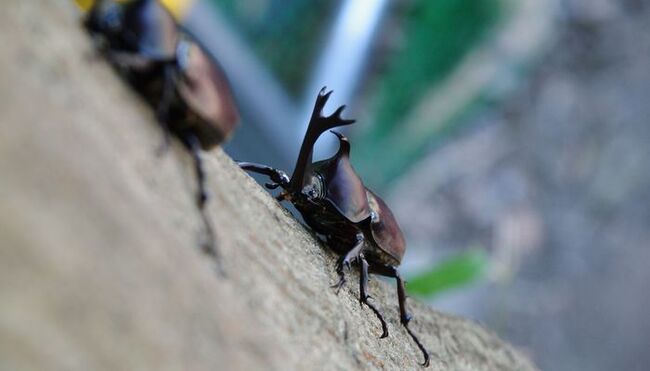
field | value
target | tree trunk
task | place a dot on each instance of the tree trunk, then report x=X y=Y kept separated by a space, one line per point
x=99 y=261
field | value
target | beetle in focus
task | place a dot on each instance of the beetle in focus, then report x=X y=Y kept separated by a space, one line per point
x=333 y=201
x=190 y=94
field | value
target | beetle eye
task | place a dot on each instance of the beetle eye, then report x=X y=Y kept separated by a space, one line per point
x=310 y=191
x=314 y=189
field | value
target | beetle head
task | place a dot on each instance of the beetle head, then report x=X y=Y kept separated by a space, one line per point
x=141 y=26
x=105 y=17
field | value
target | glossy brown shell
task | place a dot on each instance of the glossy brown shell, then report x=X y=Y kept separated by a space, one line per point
x=385 y=230
x=345 y=191
x=343 y=187
x=205 y=89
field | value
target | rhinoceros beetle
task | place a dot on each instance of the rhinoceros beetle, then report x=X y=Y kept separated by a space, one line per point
x=334 y=202
x=188 y=91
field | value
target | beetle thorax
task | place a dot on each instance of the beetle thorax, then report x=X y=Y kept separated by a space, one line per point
x=314 y=189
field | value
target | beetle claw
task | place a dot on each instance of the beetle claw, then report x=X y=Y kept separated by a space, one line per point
x=365 y=301
x=201 y=198
x=425 y=353
x=271 y=185
x=339 y=284
x=384 y=326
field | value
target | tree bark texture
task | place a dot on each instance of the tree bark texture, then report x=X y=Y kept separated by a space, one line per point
x=99 y=261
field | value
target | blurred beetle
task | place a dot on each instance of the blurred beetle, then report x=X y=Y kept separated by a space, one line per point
x=189 y=92
x=356 y=223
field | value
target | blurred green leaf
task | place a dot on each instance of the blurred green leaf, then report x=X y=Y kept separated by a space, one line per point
x=432 y=39
x=286 y=35
x=437 y=35
x=457 y=271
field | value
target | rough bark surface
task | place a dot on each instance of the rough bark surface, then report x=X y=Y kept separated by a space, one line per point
x=99 y=261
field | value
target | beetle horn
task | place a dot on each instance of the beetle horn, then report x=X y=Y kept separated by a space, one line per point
x=318 y=124
x=344 y=144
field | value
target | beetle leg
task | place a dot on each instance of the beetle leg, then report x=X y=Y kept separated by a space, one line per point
x=278 y=177
x=405 y=317
x=99 y=49
x=163 y=106
x=194 y=146
x=339 y=270
x=363 y=294
x=135 y=61
x=208 y=245
x=346 y=260
x=127 y=60
x=192 y=142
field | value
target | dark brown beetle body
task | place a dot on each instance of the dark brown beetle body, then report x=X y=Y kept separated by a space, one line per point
x=173 y=74
x=334 y=202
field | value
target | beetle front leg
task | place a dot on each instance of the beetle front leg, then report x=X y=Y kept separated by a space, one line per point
x=208 y=245
x=135 y=61
x=126 y=60
x=278 y=177
x=346 y=261
x=192 y=142
x=405 y=317
x=163 y=106
x=363 y=295
x=194 y=146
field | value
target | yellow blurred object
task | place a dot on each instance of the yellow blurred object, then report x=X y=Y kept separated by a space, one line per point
x=84 y=4
x=178 y=8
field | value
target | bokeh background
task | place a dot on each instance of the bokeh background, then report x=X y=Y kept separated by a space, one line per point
x=511 y=139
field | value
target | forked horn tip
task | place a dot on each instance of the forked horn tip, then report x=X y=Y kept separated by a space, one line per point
x=339 y=135
x=324 y=92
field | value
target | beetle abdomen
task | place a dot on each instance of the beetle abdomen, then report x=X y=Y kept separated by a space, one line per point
x=145 y=45
x=326 y=220
x=384 y=228
x=205 y=90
